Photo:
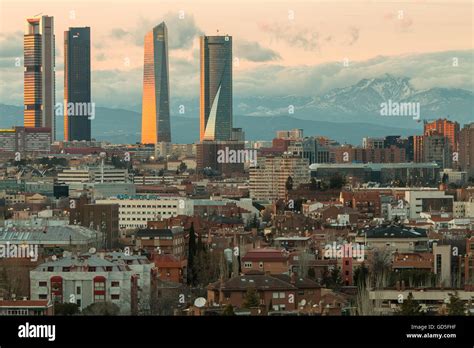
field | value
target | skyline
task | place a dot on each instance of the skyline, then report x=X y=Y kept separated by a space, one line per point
x=266 y=65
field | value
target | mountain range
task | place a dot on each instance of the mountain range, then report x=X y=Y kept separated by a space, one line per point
x=344 y=114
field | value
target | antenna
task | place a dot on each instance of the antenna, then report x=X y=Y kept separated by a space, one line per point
x=36 y=15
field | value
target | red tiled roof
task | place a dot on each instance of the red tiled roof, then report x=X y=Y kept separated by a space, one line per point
x=24 y=303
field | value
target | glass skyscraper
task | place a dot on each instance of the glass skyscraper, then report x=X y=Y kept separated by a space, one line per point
x=39 y=78
x=216 y=88
x=77 y=84
x=155 y=103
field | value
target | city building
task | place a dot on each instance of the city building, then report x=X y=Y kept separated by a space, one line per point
x=273 y=261
x=39 y=74
x=216 y=88
x=26 y=307
x=394 y=238
x=446 y=128
x=466 y=149
x=77 y=84
x=99 y=217
x=162 y=241
x=88 y=279
x=268 y=179
x=135 y=211
x=418 y=174
x=93 y=175
x=437 y=148
x=156 y=105
x=275 y=292
x=427 y=200
x=26 y=140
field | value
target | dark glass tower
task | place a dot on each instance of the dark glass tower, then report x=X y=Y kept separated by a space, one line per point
x=155 y=103
x=77 y=84
x=216 y=88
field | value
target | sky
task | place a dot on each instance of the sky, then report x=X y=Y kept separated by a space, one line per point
x=279 y=47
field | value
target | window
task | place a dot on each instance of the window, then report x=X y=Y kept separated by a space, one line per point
x=275 y=295
x=115 y=297
x=43 y=296
x=99 y=286
x=42 y=284
x=247 y=264
x=78 y=290
x=282 y=295
x=260 y=265
x=115 y=284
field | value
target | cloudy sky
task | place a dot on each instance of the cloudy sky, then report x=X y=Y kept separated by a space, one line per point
x=280 y=47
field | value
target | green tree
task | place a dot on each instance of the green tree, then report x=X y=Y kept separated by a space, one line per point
x=66 y=308
x=101 y=308
x=191 y=279
x=410 y=306
x=251 y=298
x=182 y=167
x=228 y=310
x=336 y=181
x=360 y=275
x=455 y=306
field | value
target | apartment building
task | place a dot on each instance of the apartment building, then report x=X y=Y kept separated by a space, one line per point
x=135 y=211
x=268 y=179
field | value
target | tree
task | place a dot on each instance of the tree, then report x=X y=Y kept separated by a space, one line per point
x=332 y=280
x=66 y=308
x=336 y=181
x=182 y=167
x=191 y=254
x=360 y=275
x=410 y=306
x=289 y=183
x=251 y=298
x=101 y=308
x=455 y=305
x=228 y=310
x=311 y=273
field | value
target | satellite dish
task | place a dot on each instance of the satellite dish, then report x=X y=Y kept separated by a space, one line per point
x=53 y=257
x=303 y=302
x=200 y=302
x=92 y=251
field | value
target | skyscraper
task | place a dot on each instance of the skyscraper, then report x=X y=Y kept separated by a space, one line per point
x=155 y=103
x=77 y=84
x=39 y=78
x=466 y=149
x=216 y=88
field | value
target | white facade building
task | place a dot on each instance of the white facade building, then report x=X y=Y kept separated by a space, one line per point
x=135 y=211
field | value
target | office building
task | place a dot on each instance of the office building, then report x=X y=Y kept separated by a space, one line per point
x=77 y=84
x=39 y=74
x=216 y=88
x=155 y=104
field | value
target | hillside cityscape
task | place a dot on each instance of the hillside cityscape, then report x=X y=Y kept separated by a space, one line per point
x=354 y=200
